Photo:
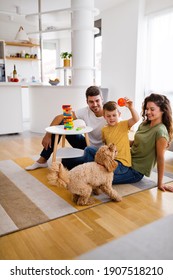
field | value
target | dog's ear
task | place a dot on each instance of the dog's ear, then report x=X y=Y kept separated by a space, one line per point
x=100 y=155
x=111 y=147
x=110 y=164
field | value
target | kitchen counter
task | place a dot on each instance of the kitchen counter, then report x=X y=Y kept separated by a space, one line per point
x=13 y=84
x=45 y=102
x=37 y=84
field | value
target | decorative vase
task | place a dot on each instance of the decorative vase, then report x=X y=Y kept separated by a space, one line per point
x=66 y=62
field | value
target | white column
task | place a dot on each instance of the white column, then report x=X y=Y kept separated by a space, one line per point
x=82 y=42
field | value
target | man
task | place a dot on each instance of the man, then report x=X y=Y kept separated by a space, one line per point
x=92 y=115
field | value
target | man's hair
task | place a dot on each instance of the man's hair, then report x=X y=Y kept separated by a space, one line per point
x=110 y=106
x=93 y=91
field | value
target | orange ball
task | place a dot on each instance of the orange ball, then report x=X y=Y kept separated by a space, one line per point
x=121 y=102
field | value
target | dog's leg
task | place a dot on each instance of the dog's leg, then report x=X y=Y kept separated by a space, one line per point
x=97 y=191
x=85 y=195
x=111 y=192
x=75 y=198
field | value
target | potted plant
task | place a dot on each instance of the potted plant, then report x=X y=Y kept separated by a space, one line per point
x=66 y=57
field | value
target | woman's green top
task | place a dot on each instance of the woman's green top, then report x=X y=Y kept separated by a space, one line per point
x=143 y=150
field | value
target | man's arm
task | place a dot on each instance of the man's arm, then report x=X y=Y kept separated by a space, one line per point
x=57 y=120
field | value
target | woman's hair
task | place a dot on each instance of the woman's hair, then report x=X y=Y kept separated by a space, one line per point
x=164 y=104
x=110 y=106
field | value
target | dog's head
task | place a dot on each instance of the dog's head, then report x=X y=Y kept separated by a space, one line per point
x=106 y=156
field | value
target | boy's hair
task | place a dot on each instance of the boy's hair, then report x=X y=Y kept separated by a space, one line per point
x=93 y=91
x=110 y=106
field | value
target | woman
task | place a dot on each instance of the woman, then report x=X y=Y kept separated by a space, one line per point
x=151 y=140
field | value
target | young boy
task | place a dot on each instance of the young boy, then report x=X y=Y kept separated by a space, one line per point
x=117 y=131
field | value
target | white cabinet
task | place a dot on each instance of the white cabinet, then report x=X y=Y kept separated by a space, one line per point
x=11 y=109
x=25 y=104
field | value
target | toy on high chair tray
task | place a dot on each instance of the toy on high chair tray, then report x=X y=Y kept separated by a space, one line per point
x=68 y=117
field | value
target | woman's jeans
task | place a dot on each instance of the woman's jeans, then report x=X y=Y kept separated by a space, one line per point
x=122 y=174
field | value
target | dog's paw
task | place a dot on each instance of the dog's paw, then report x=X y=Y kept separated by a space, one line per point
x=118 y=198
x=83 y=202
x=90 y=201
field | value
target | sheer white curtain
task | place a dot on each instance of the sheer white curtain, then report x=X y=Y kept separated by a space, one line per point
x=159 y=72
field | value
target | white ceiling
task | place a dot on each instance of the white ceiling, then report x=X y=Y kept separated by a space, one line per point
x=31 y=6
x=17 y=11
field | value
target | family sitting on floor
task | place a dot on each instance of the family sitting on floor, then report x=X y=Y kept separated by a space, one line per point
x=136 y=159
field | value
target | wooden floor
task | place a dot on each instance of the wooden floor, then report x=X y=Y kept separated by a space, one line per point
x=75 y=234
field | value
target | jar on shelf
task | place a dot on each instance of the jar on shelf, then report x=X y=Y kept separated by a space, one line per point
x=23 y=53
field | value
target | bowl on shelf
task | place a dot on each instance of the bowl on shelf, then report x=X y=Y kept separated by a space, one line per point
x=54 y=82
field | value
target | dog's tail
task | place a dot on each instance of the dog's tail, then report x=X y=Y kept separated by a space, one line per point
x=58 y=175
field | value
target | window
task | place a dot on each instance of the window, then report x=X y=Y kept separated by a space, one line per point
x=160 y=53
x=49 y=61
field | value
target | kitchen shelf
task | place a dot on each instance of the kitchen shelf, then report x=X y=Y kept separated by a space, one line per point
x=64 y=68
x=21 y=58
x=72 y=68
x=17 y=44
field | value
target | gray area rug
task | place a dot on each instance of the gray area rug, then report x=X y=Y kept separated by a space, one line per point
x=26 y=198
x=151 y=242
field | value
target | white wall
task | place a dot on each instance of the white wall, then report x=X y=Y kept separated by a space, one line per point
x=141 y=57
x=9 y=29
x=153 y=6
x=124 y=47
x=119 y=53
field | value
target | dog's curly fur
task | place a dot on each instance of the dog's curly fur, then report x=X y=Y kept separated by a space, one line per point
x=88 y=177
